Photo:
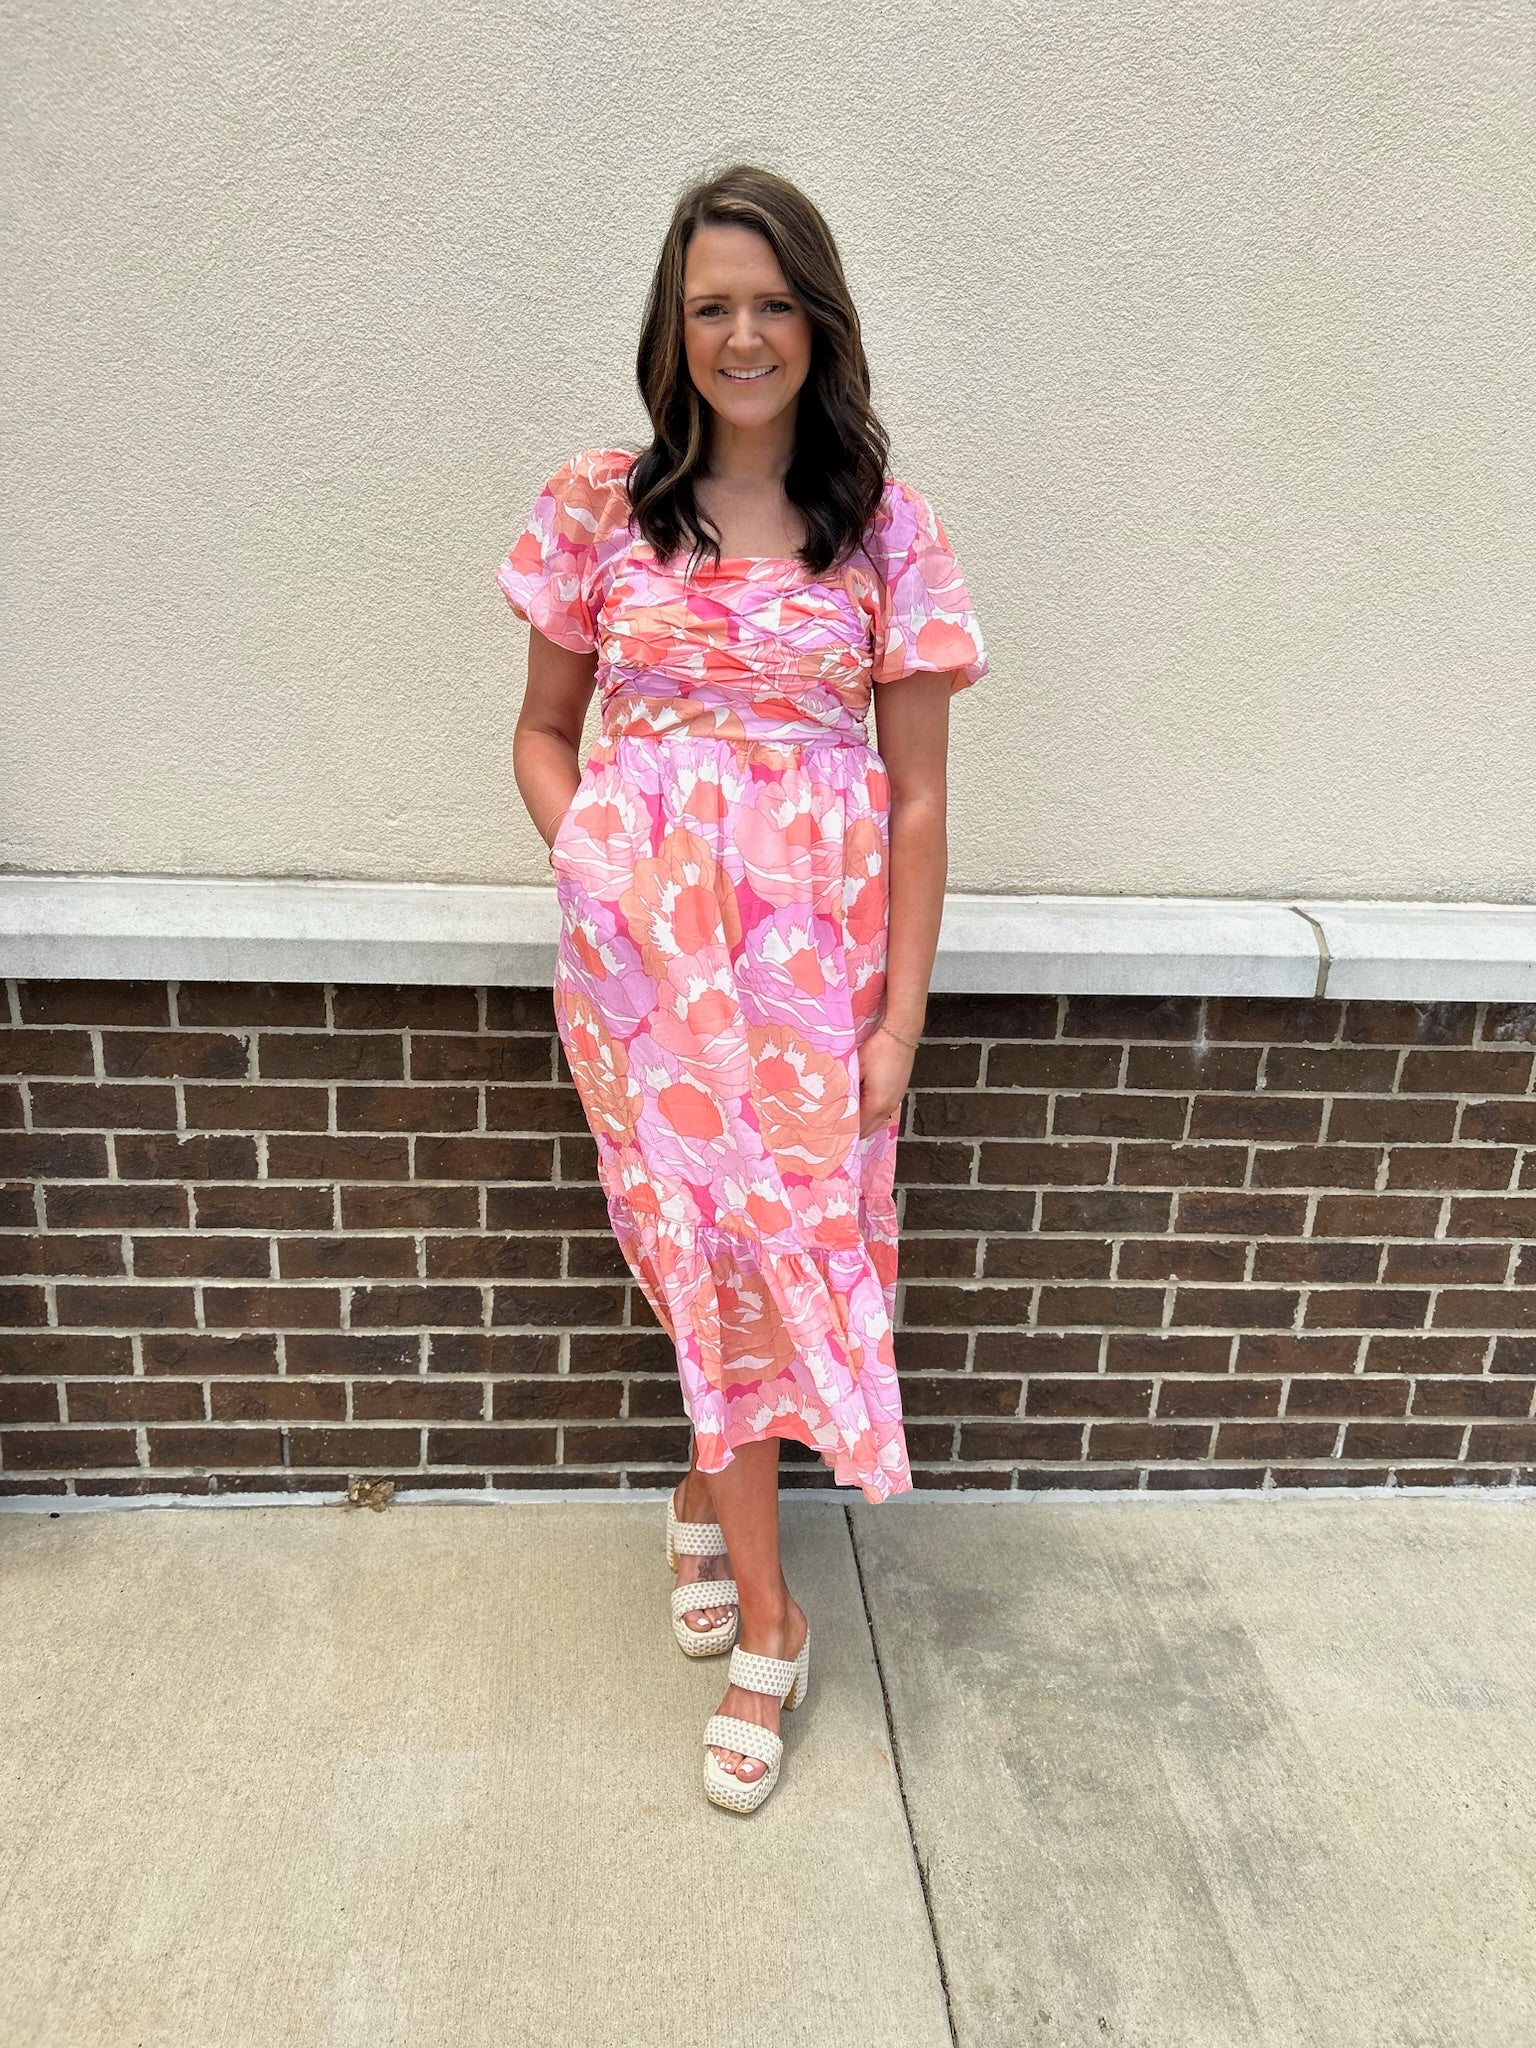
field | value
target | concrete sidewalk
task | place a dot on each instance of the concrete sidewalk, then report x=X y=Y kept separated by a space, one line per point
x=1172 y=1773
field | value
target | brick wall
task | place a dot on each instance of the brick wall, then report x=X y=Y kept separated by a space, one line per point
x=257 y=1239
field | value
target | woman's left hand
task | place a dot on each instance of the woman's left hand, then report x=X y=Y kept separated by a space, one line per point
x=885 y=1068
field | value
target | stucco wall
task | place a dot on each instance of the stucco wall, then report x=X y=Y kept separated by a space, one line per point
x=1206 y=327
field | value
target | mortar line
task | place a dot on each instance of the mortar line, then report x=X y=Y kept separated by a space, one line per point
x=901 y=1785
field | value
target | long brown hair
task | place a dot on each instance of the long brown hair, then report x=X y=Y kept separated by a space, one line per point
x=837 y=472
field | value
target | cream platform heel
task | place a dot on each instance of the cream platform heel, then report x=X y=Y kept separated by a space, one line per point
x=784 y=1677
x=700 y=1539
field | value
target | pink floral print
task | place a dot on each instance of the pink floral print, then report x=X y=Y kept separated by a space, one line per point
x=721 y=873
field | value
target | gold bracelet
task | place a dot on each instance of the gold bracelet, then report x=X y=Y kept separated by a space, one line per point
x=914 y=1043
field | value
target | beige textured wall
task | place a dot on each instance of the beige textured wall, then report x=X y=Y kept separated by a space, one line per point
x=1207 y=327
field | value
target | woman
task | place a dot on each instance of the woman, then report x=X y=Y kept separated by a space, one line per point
x=750 y=892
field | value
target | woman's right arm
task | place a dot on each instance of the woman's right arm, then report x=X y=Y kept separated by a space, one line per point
x=547 y=742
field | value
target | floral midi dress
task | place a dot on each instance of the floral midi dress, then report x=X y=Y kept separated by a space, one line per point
x=721 y=875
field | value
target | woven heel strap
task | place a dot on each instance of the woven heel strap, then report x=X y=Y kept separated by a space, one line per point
x=724 y=1731
x=697 y=1539
x=703 y=1593
x=775 y=1675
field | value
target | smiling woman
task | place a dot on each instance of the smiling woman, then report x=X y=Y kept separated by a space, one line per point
x=750 y=892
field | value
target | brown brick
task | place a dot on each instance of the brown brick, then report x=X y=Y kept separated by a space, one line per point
x=520 y=1009
x=1340 y=1070
x=162 y=1155
x=135 y=1400
x=108 y=1205
x=486 y=1057
x=1449 y=1166
x=1528 y=1171
x=1023 y=1351
x=556 y=1305
x=331 y=1056
x=1510 y=1121
x=69 y=1450
x=648 y=1399
x=957 y=1394
x=263 y=1208
x=410 y=1208
x=215 y=1449
x=493 y=1446
x=94 y=1002
x=174 y=1055
x=1181 y=1258
x=1270 y=1117
x=1278 y=1441
x=1366 y=1308
x=1119 y=1116
x=1202 y=1478
x=1395 y=1440
x=1240 y=1214
x=1193 y=1069
x=483 y=1159
x=1525 y=1267
x=1417 y=1354
x=492 y=1257
x=994 y=1016
x=199 y=1257
x=617 y=1443
x=45 y=1052
x=1436 y=1265
x=1016 y=1258
x=411 y=1307
x=1177 y=1352
x=938 y=1066
x=1083 y=1164
x=922 y=1258
x=974 y=1113
x=1316 y=1166
x=1265 y=1020
x=1467 y=1398
x=271 y=1308
x=366 y=1007
x=609 y=1351
x=1279 y=1352
x=366 y=1450
x=1101 y=1394
x=1314 y=1260
x=18 y=1209
x=926 y=1160
x=1503 y=1216
x=58 y=1351
x=533 y=1109
x=1510 y=1024
x=1472 y=1308
x=1114 y=1212
x=1051 y=1067
x=547 y=1209
x=1466 y=1073
x=1375 y=1023
x=1126 y=1307
x=1210 y=1400
x=1507 y=1441
x=199 y=1353
x=406 y=1108
x=112 y=1106
x=1376 y=1216
x=584 y=1399
x=1510 y=1354
x=28 y=1401
x=347 y=1257
x=1145 y=1440
x=250 y=1003
x=1020 y=1440
x=130 y=1307
x=419 y=1400
x=935 y=1306
x=328 y=1157
x=970 y=1209
x=278 y=1401
x=1132 y=1017
x=31 y=1252
x=1352 y=1395
x=1232 y=1308
x=1392 y=1120
x=11 y=1116
x=255 y=1106
x=338 y=1351
x=1176 y=1166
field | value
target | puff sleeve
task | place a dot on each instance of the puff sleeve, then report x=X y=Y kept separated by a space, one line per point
x=926 y=620
x=548 y=576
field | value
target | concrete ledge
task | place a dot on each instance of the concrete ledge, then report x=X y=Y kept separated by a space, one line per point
x=151 y=927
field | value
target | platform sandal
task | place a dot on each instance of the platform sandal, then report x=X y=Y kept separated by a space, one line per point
x=786 y=1679
x=700 y=1539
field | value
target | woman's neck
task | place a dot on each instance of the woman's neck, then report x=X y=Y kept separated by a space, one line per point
x=744 y=456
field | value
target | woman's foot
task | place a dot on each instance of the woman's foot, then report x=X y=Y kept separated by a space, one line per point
x=779 y=1633
x=691 y=1503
